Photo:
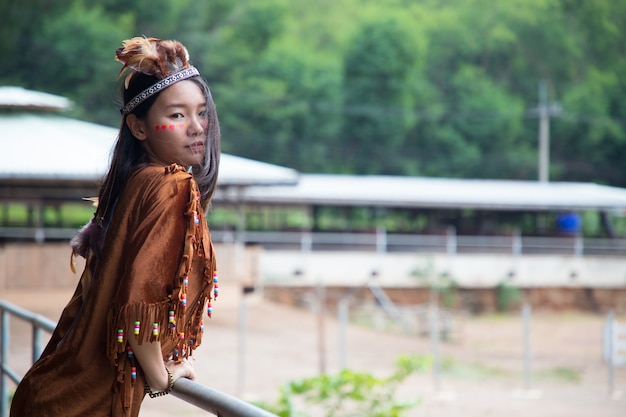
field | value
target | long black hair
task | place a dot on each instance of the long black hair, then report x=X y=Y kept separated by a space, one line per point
x=129 y=154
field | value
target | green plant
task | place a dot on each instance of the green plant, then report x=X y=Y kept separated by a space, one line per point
x=561 y=374
x=507 y=295
x=348 y=393
x=441 y=284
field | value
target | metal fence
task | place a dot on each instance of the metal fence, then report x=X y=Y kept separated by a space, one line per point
x=450 y=243
x=208 y=399
x=381 y=241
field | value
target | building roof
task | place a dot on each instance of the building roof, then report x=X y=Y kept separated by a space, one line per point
x=69 y=156
x=48 y=147
x=20 y=98
x=420 y=192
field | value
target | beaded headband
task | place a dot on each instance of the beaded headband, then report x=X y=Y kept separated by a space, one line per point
x=160 y=85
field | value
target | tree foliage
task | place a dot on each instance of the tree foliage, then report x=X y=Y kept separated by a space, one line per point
x=435 y=87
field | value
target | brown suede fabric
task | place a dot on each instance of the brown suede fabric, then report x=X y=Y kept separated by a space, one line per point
x=157 y=253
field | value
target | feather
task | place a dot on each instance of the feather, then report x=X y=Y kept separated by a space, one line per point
x=151 y=56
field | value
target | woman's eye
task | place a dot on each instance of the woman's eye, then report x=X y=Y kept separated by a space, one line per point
x=176 y=116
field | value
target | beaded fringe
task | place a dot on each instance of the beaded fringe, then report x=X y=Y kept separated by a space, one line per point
x=163 y=321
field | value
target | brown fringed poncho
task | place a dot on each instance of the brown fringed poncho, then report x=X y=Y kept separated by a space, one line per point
x=152 y=281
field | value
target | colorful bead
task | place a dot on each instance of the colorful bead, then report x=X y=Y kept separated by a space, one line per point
x=120 y=336
x=197 y=195
x=196 y=219
x=171 y=318
x=183 y=300
x=175 y=352
x=202 y=326
x=216 y=287
x=155 y=329
x=209 y=309
x=181 y=335
x=137 y=327
x=133 y=373
x=186 y=282
x=129 y=352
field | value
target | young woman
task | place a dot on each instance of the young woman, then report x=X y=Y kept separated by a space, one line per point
x=150 y=274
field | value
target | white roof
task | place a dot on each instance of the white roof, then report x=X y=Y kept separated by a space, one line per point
x=18 y=97
x=51 y=147
x=349 y=190
x=45 y=146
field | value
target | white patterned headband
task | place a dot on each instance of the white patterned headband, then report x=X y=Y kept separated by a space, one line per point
x=162 y=84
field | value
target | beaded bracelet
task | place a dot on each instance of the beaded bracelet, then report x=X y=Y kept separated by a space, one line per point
x=170 y=386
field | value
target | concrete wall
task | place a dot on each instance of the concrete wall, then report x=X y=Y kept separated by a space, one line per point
x=25 y=266
x=468 y=271
x=558 y=282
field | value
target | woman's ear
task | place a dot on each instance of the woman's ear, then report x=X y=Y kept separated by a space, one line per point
x=137 y=127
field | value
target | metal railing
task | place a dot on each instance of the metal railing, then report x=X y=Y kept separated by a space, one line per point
x=205 y=398
x=451 y=243
x=382 y=241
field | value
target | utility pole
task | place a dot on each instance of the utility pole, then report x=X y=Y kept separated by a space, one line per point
x=544 y=133
x=545 y=110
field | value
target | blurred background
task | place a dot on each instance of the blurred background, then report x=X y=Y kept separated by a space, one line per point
x=439 y=182
x=435 y=88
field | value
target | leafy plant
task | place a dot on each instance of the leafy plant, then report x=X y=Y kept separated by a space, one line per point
x=349 y=393
x=507 y=295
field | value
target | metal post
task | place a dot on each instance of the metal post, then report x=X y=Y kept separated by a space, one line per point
x=517 y=243
x=306 y=242
x=36 y=343
x=526 y=314
x=451 y=240
x=381 y=239
x=578 y=245
x=544 y=133
x=321 y=327
x=342 y=311
x=243 y=320
x=434 y=341
x=610 y=325
x=4 y=358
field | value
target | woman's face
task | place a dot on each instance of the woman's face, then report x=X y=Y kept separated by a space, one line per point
x=175 y=128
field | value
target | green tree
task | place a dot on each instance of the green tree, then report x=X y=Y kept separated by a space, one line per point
x=380 y=69
x=438 y=88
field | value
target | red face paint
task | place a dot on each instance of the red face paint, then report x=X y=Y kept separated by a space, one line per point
x=181 y=126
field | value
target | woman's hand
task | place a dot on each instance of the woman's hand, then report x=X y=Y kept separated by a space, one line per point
x=151 y=360
x=183 y=369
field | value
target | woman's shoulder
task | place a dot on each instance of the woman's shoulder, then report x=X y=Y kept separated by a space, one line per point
x=159 y=174
x=158 y=179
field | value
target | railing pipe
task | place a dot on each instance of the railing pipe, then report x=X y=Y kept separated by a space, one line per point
x=214 y=401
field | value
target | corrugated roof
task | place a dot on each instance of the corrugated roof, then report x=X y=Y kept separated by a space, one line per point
x=390 y=191
x=45 y=146
x=18 y=97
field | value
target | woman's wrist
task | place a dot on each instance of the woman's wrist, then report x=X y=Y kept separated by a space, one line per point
x=167 y=390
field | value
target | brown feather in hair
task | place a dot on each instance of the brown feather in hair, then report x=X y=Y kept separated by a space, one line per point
x=151 y=56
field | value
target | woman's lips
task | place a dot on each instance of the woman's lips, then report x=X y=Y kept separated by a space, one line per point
x=197 y=146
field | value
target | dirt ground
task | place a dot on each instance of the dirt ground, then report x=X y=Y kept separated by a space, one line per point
x=484 y=360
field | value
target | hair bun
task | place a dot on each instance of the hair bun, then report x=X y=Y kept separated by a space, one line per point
x=151 y=56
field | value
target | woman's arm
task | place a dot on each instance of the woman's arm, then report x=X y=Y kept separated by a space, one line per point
x=151 y=360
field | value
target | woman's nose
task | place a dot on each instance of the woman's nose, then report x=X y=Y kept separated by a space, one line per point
x=196 y=126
